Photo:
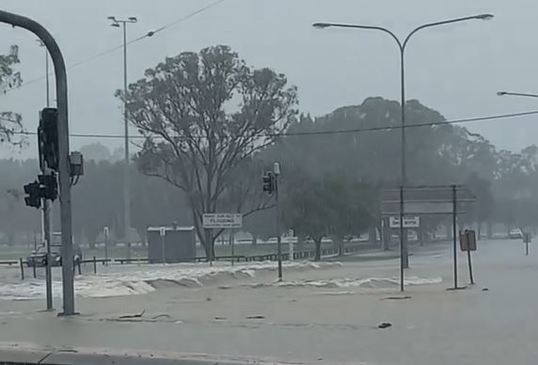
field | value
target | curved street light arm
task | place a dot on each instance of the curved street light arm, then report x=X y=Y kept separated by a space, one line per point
x=444 y=22
x=368 y=27
x=508 y=93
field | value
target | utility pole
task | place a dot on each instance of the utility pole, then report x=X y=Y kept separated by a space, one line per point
x=276 y=174
x=126 y=183
x=46 y=227
x=64 y=166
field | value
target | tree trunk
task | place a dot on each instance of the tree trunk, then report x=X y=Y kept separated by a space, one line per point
x=489 y=230
x=387 y=233
x=254 y=239
x=317 y=255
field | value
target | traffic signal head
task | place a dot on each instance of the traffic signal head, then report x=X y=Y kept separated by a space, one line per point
x=33 y=190
x=268 y=182
x=49 y=186
x=47 y=135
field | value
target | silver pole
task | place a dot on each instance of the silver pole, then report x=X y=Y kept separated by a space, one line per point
x=127 y=185
x=63 y=142
x=47 y=241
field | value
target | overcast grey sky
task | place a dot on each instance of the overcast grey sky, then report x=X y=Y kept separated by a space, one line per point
x=456 y=69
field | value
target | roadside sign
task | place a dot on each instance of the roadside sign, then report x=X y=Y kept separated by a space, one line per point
x=162 y=231
x=408 y=222
x=468 y=240
x=222 y=220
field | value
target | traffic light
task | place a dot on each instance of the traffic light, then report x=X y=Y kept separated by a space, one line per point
x=47 y=135
x=33 y=190
x=49 y=186
x=268 y=182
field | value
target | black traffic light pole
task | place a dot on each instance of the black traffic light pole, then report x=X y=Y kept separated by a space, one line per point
x=63 y=143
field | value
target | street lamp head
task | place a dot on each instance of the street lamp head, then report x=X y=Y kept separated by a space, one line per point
x=321 y=25
x=501 y=93
x=113 y=18
x=117 y=25
x=133 y=19
x=485 y=16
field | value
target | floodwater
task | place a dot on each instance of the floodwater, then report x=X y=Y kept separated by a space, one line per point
x=320 y=315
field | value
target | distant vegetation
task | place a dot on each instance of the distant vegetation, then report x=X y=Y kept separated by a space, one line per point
x=202 y=155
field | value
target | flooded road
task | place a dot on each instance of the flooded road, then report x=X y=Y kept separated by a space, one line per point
x=321 y=315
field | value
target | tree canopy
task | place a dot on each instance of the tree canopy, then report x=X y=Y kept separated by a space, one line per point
x=204 y=114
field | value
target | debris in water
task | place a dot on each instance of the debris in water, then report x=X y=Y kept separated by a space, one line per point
x=139 y=315
x=208 y=299
x=258 y=316
x=161 y=315
x=384 y=325
x=485 y=289
x=220 y=318
x=398 y=298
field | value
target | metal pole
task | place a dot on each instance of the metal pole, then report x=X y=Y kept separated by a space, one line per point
x=401 y=239
x=232 y=243
x=278 y=235
x=403 y=165
x=126 y=190
x=63 y=141
x=47 y=241
x=455 y=249
x=21 y=265
x=47 y=76
x=46 y=208
x=106 y=245
x=470 y=266
x=163 y=256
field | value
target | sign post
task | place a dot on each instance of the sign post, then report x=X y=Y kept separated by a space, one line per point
x=527 y=239
x=468 y=243
x=106 y=233
x=162 y=233
x=425 y=201
x=232 y=243
x=223 y=221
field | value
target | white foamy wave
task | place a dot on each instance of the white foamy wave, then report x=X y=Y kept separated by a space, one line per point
x=344 y=283
x=135 y=279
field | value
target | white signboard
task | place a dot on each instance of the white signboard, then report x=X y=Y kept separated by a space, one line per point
x=222 y=220
x=408 y=222
x=162 y=231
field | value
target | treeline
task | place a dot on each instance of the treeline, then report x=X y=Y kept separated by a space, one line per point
x=330 y=183
x=97 y=202
x=213 y=125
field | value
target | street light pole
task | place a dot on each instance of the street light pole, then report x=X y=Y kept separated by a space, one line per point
x=46 y=208
x=126 y=183
x=404 y=257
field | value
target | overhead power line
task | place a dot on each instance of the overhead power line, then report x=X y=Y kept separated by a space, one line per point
x=331 y=132
x=138 y=39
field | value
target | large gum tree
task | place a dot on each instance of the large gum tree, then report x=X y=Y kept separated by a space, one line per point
x=203 y=115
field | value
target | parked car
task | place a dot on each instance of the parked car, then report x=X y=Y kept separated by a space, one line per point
x=515 y=233
x=39 y=256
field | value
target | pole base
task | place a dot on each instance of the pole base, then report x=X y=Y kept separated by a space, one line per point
x=457 y=288
x=62 y=314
